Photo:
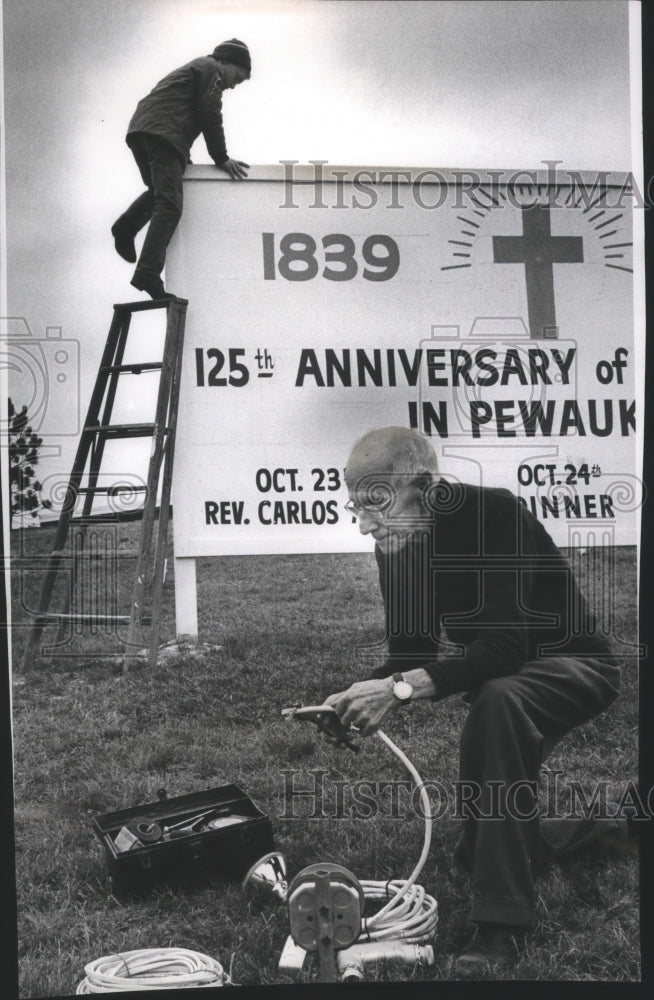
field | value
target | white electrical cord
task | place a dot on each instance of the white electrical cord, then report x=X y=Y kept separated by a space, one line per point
x=411 y=913
x=152 y=969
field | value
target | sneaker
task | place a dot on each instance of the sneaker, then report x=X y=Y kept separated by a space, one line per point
x=124 y=242
x=492 y=948
x=152 y=285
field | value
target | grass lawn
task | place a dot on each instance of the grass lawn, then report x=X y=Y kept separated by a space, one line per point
x=281 y=630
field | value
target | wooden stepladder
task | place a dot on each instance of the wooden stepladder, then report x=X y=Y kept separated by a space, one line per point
x=85 y=475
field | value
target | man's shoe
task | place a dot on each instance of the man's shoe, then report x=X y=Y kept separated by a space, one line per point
x=152 y=285
x=492 y=948
x=624 y=834
x=124 y=242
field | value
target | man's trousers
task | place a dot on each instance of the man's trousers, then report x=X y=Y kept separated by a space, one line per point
x=162 y=170
x=512 y=725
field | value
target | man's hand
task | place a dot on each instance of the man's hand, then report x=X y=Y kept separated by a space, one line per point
x=236 y=169
x=365 y=705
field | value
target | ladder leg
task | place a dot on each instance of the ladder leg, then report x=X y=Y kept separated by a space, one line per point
x=164 y=510
x=158 y=574
x=85 y=441
x=56 y=559
x=118 y=343
x=171 y=348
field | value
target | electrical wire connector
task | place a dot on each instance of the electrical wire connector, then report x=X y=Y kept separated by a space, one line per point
x=327 y=721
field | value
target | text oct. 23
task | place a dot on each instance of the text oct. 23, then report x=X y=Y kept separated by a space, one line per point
x=275 y=511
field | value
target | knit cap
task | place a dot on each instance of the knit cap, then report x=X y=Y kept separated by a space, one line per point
x=234 y=51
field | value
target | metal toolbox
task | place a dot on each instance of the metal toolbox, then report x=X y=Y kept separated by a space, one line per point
x=242 y=835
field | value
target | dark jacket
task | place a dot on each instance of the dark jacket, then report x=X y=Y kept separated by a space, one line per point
x=489 y=574
x=186 y=102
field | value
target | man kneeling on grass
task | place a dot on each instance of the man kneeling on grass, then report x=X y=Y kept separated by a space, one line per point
x=532 y=664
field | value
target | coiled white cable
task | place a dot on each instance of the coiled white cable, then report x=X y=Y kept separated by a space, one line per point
x=152 y=969
x=411 y=913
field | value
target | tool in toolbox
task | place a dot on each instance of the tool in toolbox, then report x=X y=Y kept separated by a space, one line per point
x=143 y=830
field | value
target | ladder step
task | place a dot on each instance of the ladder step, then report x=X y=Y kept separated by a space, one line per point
x=142 y=305
x=122 y=430
x=67 y=554
x=113 y=517
x=59 y=616
x=135 y=369
x=111 y=490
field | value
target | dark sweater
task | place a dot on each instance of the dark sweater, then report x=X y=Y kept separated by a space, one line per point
x=186 y=102
x=488 y=573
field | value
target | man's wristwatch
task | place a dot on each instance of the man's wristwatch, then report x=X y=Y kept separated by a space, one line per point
x=402 y=690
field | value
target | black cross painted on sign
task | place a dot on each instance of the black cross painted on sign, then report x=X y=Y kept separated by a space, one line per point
x=538 y=250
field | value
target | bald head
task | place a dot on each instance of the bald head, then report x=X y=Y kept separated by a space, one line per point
x=388 y=475
x=396 y=454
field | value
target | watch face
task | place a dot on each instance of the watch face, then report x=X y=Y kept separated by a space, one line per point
x=402 y=690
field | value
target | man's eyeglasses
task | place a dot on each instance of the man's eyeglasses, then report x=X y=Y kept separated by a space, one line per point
x=357 y=509
x=383 y=507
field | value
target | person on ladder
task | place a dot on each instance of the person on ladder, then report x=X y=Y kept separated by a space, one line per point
x=160 y=134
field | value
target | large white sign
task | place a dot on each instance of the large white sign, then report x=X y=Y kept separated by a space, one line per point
x=493 y=311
